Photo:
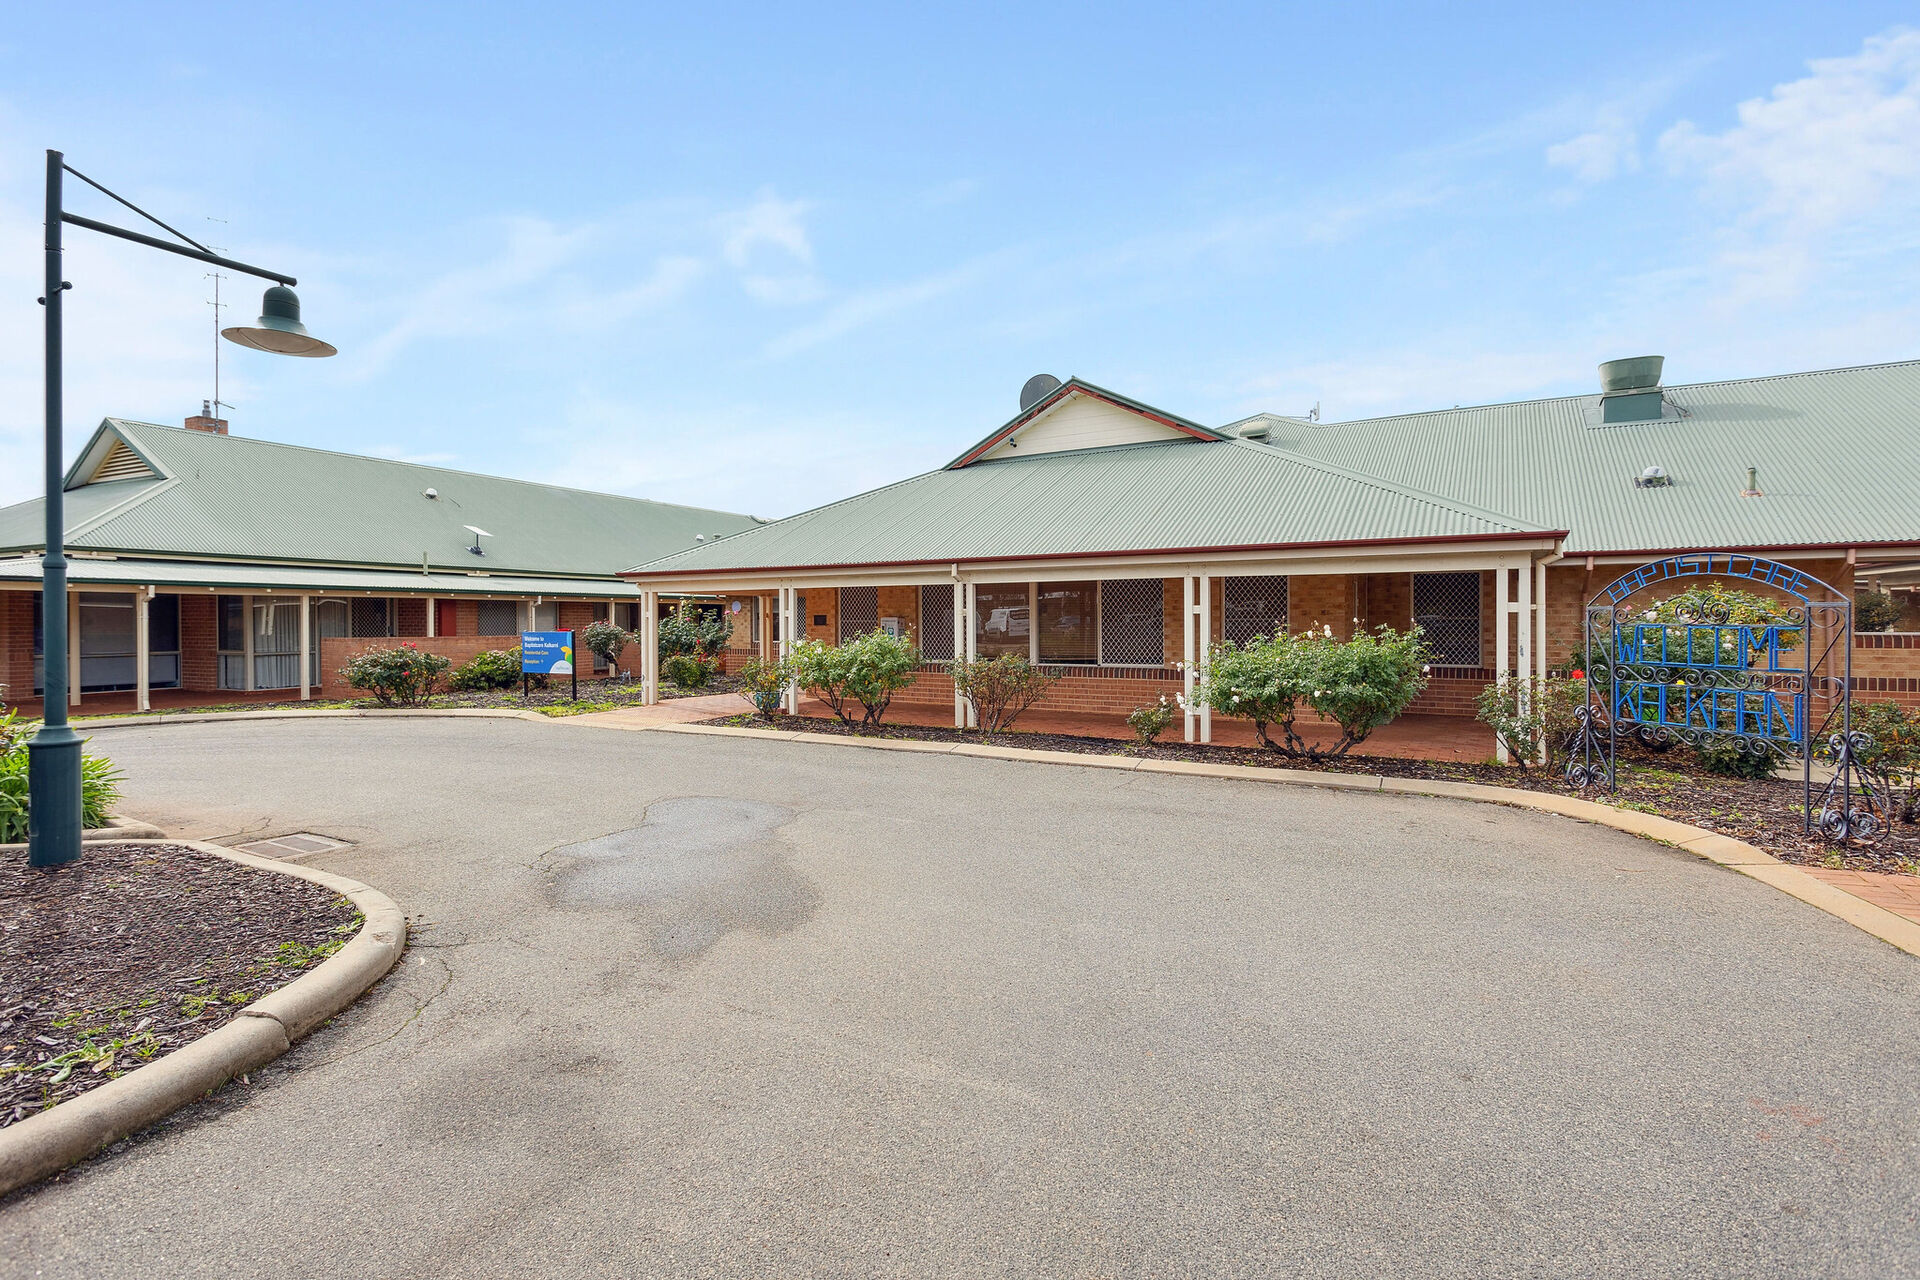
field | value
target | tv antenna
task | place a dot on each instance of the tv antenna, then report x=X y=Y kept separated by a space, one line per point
x=217 y=305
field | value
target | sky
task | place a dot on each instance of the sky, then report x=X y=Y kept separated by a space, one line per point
x=764 y=258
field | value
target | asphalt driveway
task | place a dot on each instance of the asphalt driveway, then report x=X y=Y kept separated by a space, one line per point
x=700 y=1006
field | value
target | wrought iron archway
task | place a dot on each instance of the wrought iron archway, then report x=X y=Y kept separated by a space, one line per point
x=1710 y=680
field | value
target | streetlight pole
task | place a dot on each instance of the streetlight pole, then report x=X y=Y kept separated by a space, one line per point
x=53 y=754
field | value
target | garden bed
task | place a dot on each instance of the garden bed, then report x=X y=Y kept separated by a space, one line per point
x=1765 y=813
x=137 y=950
x=557 y=700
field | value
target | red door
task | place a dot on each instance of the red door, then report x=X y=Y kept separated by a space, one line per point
x=445 y=613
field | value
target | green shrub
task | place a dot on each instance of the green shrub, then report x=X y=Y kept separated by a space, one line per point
x=764 y=683
x=605 y=640
x=1150 y=721
x=691 y=629
x=1359 y=684
x=403 y=676
x=867 y=670
x=99 y=782
x=688 y=670
x=489 y=669
x=1875 y=611
x=1892 y=760
x=1729 y=759
x=1549 y=720
x=999 y=689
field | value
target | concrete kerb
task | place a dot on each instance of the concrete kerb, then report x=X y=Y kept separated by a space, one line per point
x=116 y=830
x=1735 y=855
x=84 y=727
x=49 y=1141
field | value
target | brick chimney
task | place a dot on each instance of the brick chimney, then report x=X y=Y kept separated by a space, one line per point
x=205 y=421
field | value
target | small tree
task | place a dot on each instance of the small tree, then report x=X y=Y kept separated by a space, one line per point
x=1875 y=611
x=867 y=670
x=1892 y=762
x=403 y=676
x=1550 y=718
x=1359 y=684
x=605 y=640
x=999 y=689
x=1150 y=721
x=692 y=629
x=765 y=683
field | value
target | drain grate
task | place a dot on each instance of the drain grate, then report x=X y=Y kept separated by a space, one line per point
x=301 y=844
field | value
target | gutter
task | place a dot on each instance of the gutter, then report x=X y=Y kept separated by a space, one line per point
x=714 y=571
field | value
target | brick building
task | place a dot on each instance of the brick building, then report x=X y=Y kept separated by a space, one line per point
x=208 y=563
x=1115 y=541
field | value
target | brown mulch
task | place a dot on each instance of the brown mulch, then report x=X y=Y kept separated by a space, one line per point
x=602 y=694
x=1766 y=813
x=136 y=950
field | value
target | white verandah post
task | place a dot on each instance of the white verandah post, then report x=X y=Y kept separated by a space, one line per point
x=1186 y=656
x=959 y=650
x=306 y=645
x=246 y=641
x=433 y=617
x=1502 y=625
x=1206 y=647
x=73 y=648
x=972 y=644
x=142 y=646
x=1540 y=635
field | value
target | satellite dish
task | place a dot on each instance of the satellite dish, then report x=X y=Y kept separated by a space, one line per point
x=478 y=533
x=1038 y=388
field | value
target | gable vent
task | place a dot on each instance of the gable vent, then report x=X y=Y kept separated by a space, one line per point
x=121 y=463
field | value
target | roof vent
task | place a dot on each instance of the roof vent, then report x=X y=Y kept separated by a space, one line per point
x=429 y=493
x=1254 y=431
x=1037 y=388
x=1653 y=478
x=1630 y=389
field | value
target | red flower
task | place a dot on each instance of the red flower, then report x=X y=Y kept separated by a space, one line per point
x=1578 y=674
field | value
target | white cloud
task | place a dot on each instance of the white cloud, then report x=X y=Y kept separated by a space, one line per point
x=1820 y=179
x=767 y=244
x=872 y=305
x=1611 y=148
x=1817 y=151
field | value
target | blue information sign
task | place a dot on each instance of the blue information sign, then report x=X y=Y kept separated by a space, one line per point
x=546 y=653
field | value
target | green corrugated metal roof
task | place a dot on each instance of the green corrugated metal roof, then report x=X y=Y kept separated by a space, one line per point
x=85 y=571
x=1125 y=498
x=229 y=496
x=1838 y=454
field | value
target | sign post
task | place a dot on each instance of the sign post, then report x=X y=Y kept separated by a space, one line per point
x=547 y=653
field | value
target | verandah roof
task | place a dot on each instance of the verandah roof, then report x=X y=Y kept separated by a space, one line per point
x=1124 y=500
x=265 y=579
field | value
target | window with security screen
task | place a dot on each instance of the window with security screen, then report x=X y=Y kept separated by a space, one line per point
x=1447 y=607
x=1131 y=629
x=859 y=611
x=371 y=617
x=936 y=623
x=498 y=618
x=1253 y=606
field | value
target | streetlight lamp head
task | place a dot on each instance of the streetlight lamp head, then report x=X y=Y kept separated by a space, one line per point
x=279 y=329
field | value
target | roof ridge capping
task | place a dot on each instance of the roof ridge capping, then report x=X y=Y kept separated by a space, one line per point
x=1666 y=388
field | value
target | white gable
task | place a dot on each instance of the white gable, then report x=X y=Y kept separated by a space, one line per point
x=1082 y=422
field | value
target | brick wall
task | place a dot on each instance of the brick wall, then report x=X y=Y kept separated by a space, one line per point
x=200 y=642
x=1886 y=668
x=16 y=644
